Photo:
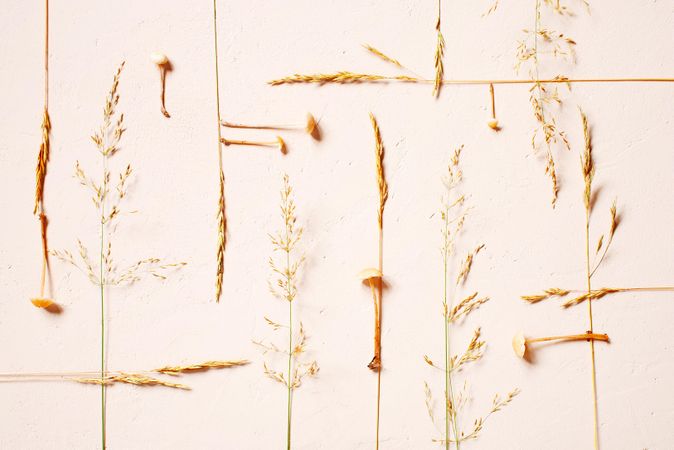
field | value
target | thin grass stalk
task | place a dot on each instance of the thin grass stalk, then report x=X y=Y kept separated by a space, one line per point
x=346 y=77
x=102 y=294
x=588 y=173
x=290 y=347
x=221 y=218
x=449 y=388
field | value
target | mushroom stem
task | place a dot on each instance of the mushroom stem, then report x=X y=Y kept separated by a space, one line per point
x=572 y=337
x=279 y=143
x=493 y=103
x=162 y=74
x=250 y=143
x=294 y=126
x=375 y=364
x=45 y=253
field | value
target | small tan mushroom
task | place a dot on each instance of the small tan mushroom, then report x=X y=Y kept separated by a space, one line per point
x=493 y=123
x=521 y=343
x=310 y=126
x=372 y=277
x=42 y=302
x=163 y=64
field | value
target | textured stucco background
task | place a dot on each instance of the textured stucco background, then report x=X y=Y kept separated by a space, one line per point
x=529 y=246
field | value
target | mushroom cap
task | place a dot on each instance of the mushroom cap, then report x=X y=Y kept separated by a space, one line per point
x=311 y=124
x=42 y=302
x=520 y=344
x=369 y=273
x=158 y=58
x=493 y=124
x=281 y=144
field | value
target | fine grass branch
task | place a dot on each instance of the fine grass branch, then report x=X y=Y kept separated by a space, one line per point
x=285 y=265
x=453 y=214
x=108 y=199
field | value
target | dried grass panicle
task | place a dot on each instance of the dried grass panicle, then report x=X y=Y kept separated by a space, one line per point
x=136 y=379
x=383 y=56
x=467 y=265
x=341 y=77
x=42 y=160
x=592 y=295
x=222 y=239
x=536 y=43
x=381 y=179
x=587 y=163
x=473 y=352
x=206 y=365
x=453 y=214
x=439 y=55
x=284 y=286
x=466 y=306
x=548 y=293
x=611 y=233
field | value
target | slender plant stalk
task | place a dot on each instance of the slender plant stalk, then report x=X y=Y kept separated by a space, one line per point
x=450 y=414
x=290 y=348
x=222 y=220
x=380 y=289
x=102 y=294
x=345 y=77
x=591 y=329
x=587 y=166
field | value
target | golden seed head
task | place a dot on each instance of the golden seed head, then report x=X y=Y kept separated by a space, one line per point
x=158 y=58
x=41 y=302
x=493 y=124
x=520 y=344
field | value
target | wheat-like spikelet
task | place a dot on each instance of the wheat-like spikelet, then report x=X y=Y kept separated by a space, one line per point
x=42 y=160
x=552 y=292
x=382 y=56
x=341 y=77
x=137 y=379
x=592 y=295
x=466 y=306
x=206 y=365
x=586 y=162
x=222 y=238
x=381 y=179
x=439 y=55
x=467 y=265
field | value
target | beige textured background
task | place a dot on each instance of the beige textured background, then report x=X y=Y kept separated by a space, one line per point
x=529 y=246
